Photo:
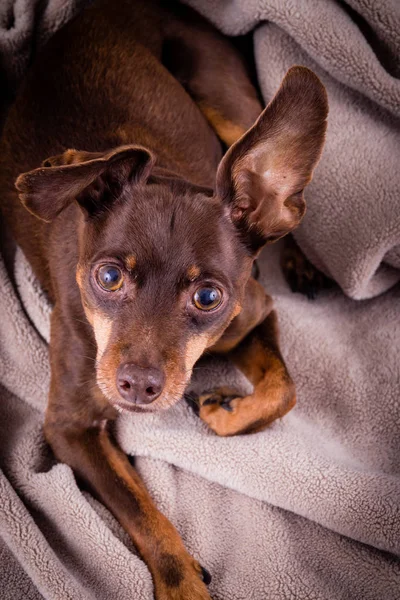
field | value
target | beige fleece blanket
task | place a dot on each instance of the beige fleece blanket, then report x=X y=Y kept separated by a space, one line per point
x=311 y=507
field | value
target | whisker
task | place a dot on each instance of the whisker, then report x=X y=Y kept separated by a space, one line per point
x=192 y=398
x=87 y=357
x=80 y=321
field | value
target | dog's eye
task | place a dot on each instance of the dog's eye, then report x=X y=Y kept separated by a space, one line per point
x=207 y=298
x=110 y=278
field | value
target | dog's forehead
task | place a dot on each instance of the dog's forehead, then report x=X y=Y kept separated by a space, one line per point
x=157 y=226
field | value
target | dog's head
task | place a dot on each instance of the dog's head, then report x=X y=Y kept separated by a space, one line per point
x=163 y=263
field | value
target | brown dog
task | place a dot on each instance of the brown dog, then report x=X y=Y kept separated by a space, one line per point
x=146 y=236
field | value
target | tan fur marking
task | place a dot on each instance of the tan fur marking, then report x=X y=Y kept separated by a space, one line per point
x=102 y=330
x=237 y=310
x=193 y=272
x=89 y=314
x=194 y=349
x=130 y=262
x=79 y=276
x=79 y=279
x=228 y=131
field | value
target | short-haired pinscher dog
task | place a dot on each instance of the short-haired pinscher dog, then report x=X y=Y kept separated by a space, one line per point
x=144 y=236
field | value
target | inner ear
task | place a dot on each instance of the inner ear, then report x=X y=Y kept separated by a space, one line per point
x=94 y=180
x=262 y=177
x=107 y=187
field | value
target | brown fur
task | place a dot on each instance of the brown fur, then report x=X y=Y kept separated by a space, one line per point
x=300 y=274
x=135 y=179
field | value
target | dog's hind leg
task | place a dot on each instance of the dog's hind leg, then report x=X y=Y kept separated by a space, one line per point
x=213 y=72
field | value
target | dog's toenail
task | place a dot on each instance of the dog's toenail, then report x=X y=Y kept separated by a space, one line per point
x=210 y=401
x=205 y=575
x=226 y=404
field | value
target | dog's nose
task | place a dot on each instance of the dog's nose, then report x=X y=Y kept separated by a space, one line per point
x=139 y=385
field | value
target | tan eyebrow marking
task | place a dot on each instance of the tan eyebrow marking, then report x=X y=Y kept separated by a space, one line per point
x=193 y=272
x=130 y=262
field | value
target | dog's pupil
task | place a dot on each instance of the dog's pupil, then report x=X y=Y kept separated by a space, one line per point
x=207 y=296
x=111 y=276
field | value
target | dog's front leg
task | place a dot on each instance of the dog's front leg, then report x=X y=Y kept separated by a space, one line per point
x=100 y=463
x=258 y=356
x=78 y=429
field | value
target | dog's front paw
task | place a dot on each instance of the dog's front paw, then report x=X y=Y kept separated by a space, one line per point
x=189 y=585
x=227 y=414
x=224 y=413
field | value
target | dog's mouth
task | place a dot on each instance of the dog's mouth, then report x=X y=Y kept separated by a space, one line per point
x=122 y=407
x=158 y=406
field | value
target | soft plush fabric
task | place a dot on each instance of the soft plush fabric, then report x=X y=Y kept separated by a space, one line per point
x=309 y=508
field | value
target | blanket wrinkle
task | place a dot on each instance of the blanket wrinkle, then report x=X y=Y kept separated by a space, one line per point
x=310 y=508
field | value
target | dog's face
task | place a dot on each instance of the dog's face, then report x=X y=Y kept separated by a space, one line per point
x=163 y=264
x=161 y=277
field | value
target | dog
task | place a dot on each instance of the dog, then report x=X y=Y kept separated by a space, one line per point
x=144 y=236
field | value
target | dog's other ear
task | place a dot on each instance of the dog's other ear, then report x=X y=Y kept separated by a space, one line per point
x=94 y=179
x=262 y=176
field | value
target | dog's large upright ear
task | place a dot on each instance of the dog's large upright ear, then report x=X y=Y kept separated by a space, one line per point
x=94 y=179
x=262 y=176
